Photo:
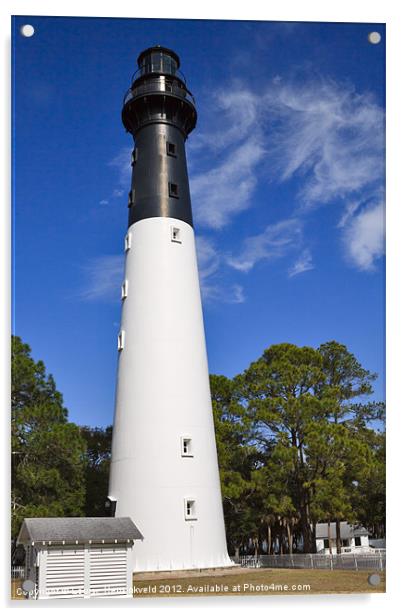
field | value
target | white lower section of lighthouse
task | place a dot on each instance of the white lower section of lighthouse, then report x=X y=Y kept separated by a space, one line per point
x=164 y=470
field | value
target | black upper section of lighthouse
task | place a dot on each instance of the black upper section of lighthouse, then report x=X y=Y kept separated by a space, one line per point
x=159 y=111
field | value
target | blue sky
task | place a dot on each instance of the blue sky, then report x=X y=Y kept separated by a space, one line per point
x=286 y=175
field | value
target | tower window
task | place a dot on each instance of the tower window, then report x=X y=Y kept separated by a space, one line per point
x=127 y=242
x=175 y=235
x=124 y=289
x=131 y=198
x=120 y=340
x=171 y=149
x=189 y=509
x=173 y=190
x=134 y=156
x=186 y=447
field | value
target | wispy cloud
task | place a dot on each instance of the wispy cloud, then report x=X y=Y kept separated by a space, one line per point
x=208 y=257
x=326 y=133
x=303 y=263
x=122 y=162
x=232 y=116
x=364 y=236
x=228 y=294
x=350 y=208
x=103 y=276
x=227 y=188
x=224 y=160
x=275 y=241
x=329 y=135
x=322 y=134
x=214 y=287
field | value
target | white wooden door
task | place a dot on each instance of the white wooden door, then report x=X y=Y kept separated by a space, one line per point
x=108 y=571
x=64 y=574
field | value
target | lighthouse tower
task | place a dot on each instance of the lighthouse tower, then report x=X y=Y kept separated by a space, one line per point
x=164 y=469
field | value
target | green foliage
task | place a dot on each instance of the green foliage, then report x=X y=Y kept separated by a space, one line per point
x=368 y=497
x=99 y=443
x=237 y=459
x=48 y=452
x=295 y=448
x=345 y=376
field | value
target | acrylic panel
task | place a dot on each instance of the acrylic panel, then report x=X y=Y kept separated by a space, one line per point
x=198 y=278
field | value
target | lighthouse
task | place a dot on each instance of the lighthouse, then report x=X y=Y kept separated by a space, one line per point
x=164 y=469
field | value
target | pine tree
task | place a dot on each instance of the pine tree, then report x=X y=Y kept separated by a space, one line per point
x=48 y=452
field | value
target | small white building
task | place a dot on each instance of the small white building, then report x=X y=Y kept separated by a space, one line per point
x=354 y=538
x=78 y=557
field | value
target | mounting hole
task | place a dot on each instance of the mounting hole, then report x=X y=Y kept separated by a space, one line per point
x=374 y=579
x=28 y=585
x=27 y=30
x=374 y=38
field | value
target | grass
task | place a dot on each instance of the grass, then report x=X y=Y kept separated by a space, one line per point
x=257 y=582
x=248 y=582
x=15 y=584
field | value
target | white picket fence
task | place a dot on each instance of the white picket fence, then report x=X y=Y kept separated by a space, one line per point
x=17 y=572
x=353 y=562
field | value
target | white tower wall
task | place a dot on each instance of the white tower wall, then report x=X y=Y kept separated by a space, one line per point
x=163 y=396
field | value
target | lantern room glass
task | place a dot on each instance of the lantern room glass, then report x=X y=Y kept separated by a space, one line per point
x=158 y=62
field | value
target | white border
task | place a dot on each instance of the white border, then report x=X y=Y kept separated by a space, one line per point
x=287 y=10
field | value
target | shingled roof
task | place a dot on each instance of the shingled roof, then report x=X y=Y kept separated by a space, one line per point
x=81 y=530
x=347 y=530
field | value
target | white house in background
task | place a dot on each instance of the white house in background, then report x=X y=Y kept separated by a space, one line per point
x=353 y=538
x=78 y=557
